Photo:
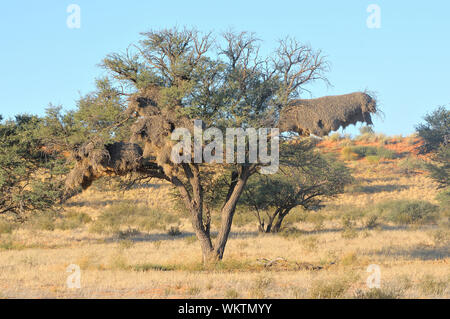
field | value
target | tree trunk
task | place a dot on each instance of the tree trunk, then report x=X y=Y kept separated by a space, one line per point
x=280 y=217
x=227 y=214
x=203 y=236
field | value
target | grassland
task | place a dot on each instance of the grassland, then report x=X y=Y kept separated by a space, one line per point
x=137 y=244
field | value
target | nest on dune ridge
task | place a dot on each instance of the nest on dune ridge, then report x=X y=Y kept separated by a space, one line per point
x=94 y=160
x=322 y=115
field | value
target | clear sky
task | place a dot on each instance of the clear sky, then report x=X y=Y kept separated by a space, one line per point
x=406 y=61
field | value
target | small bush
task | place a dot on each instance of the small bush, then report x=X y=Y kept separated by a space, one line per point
x=291 y=232
x=174 y=231
x=405 y=212
x=371 y=221
x=444 y=200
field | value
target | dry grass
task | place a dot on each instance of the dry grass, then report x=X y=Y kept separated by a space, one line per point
x=321 y=256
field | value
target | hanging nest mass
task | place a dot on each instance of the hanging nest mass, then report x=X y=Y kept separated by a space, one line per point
x=322 y=115
x=94 y=160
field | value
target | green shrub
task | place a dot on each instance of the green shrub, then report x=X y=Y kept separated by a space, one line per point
x=371 y=221
x=435 y=130
x=444 y=201
x=174 y=231
x=408 y=211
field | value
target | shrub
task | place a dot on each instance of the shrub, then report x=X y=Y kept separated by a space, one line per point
x=371 y=221
x=174 y=231
x=408 y=211
x=444 y=200
x=436 y=128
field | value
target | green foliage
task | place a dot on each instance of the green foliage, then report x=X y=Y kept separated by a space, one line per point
x=304 y=179
x=30 y=174
x=436 y=129
x=444 y=199
x=440 y=169
x=408 y=211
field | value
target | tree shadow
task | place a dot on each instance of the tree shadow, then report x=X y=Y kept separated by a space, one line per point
x=420 y=252
x=371 y=189
x=155 y=237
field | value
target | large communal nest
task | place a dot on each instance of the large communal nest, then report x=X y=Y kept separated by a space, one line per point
x=154 y=126
x=94 y=160
x=322 y=115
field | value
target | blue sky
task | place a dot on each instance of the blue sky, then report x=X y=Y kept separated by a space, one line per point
x=406 y=61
